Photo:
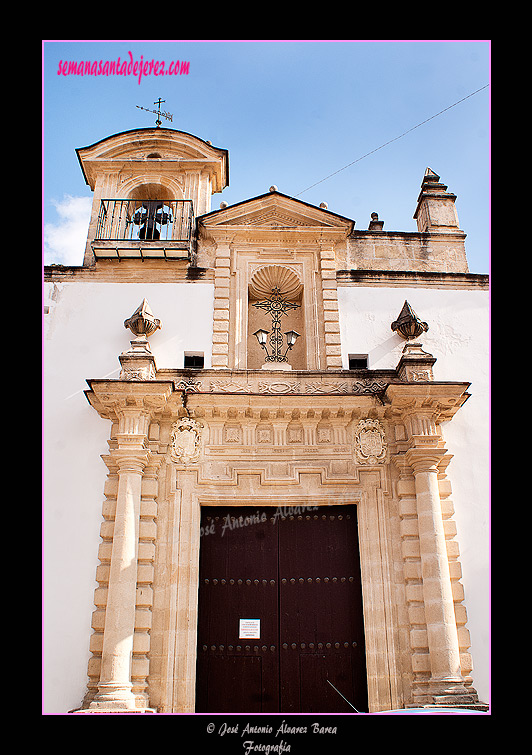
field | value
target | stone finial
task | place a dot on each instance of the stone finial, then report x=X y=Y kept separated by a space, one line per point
x=408 y=324
x=435 y=209
x=415 y=364
x=138 y=363
x=375 y=224
x=430 y=175
x=142 y=322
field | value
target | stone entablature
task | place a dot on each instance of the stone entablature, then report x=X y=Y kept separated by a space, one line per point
x=302 y=382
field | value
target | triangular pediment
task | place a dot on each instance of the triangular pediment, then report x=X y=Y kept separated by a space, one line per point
x=276 y=211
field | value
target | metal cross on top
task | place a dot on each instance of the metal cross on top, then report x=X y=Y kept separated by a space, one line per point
x=277 y=306
x=157 y=112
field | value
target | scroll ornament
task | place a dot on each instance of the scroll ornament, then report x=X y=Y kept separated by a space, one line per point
x=370 y=442
x=186 y=440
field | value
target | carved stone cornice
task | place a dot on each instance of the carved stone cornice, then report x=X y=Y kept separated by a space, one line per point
x=118 y=400
x=420 y=403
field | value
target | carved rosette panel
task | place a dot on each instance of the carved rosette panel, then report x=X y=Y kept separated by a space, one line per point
x=186 y=440
x=370 y=442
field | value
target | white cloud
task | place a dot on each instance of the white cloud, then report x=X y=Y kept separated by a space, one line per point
x=64 y=240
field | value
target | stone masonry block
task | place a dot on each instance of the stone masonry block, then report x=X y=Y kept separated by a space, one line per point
x=458 y=591
x=98 y=620
x=453 y=551
x=102 y=573
x=420 y=662
x=410 y=548
x=145 y=573
x=412 y=570
x=141 y=642
x=107 y=529
x=143 y=619
x=104 y=551
x=466 y=662
x=414 y=593
x=96 y=642
x=148 y=508
x=416 y=615
x=406 y=488
x=94 y=666
x=100 y=596
x=149 y=488
x=144 y=596
x=455 y=569
x=418 y=638
x=147 y=530
x=140 y=667
x=146 y=551
x=408 y=527
x=464 y=638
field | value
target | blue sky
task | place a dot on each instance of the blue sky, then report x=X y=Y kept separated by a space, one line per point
x=290 y=113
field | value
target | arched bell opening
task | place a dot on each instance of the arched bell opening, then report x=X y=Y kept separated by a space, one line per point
x=150 y=213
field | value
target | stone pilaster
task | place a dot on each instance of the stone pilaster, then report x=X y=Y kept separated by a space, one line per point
x=333 y=349
x=222 y=277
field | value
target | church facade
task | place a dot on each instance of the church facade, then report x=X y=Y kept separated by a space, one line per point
x=266 y=439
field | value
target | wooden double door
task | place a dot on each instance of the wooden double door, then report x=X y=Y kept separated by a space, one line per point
x=280 y=626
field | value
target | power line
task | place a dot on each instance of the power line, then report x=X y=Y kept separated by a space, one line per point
x=392 y=140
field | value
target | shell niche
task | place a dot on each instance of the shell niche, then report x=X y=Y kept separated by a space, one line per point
x=269 y=277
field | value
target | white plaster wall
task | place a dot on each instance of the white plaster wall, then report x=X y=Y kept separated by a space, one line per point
x=83 y=337
x=458 y=337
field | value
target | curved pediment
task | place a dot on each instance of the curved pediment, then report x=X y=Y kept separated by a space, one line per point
x=160 y=145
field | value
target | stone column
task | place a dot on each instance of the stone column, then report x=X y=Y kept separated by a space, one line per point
x=446 y=676
x=131 y=456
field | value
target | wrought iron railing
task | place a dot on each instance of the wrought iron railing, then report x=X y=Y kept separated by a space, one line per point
x=145 y=220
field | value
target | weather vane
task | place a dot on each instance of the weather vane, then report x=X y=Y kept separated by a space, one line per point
x=157 y=112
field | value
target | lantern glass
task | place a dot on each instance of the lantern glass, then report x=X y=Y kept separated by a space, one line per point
x=291 y=337
x=261 y=336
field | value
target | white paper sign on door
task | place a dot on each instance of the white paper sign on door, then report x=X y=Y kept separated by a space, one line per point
x=249 y=629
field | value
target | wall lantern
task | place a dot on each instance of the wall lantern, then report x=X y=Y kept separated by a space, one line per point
x=261 y=336
x=291 y=338
x=276 y=343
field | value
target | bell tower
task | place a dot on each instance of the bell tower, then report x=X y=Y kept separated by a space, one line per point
x=149 y=186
